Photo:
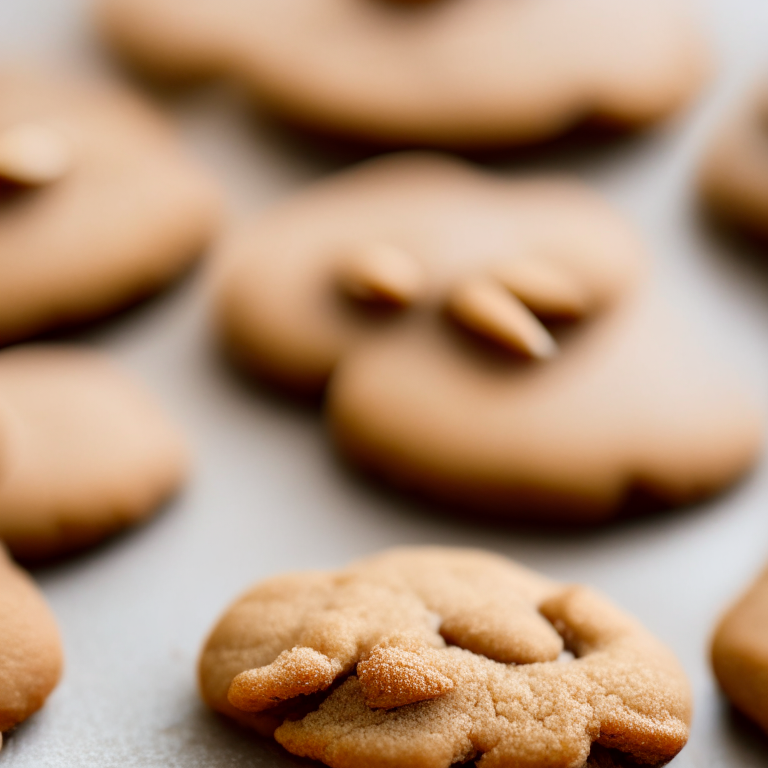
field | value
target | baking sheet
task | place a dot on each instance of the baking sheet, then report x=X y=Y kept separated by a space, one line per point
x=268 y=495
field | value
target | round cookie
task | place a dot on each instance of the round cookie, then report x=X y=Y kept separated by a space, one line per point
x=86 y=451
x=30 y=648
x=450 y=73
x=740 y=652
x=99 y=206
x=485 y=342
x=734 y=174
x=430 y=657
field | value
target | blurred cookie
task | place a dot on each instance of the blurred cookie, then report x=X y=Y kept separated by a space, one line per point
x=86 y=451
x=99 y=206
x=486 y=342
x=734 y=176
x=432 y=657
x=445 y=73
x=740 y=653
x=30 y=648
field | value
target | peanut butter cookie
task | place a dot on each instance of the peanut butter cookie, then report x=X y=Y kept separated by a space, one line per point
x=84 y=451
x=449 y=73
x=431 y=657
x=734 y=176
x=99 y=205
x=30 y=648
x=740 y=652
x=490 y=343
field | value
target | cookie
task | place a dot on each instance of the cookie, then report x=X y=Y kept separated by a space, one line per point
x=486 y=342
x=85 y=451
x=740 y=653
x=734 y=175
x=30 y=648
x=449 y=73
x=430 y=657
x=99 y=205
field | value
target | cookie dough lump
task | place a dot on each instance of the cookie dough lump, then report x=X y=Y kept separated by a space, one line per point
x=30 y=647
x=444 y=73
x=489 y=309
x=378 y=273
x=486 y=342
x=430 y=657
x=740 y=652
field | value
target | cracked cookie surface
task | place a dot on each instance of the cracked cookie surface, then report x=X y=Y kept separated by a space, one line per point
x=428 y=657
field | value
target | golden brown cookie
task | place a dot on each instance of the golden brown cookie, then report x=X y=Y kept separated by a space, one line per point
x=99 y=206
x=487 y=342
x=430 y=657
x=740 y=652
x=86 y=452
x=734 y=176
x=30 y=648
x=444 y=73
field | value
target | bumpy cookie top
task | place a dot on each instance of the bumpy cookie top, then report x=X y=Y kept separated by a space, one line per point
x=444 y=73
x=734 y=175
x=30 y=648
x=430 y=657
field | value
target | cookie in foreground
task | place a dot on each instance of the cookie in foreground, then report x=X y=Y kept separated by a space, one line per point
x=447 y=73
x=491 y=343
x=84 y=451
x=100 y=207
x=428 y=657
x=30 y=647
x=740 y=652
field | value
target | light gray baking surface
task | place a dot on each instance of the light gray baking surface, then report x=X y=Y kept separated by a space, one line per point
x=267 y=495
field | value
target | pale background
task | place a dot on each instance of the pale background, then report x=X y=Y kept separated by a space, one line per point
x=268 y=496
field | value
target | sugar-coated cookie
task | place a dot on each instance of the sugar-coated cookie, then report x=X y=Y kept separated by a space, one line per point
x=444 y=72
x=734 y=176
x=99 y=206
x=740 y=652
x=429 y=657
x=483 y=341
x=85 y=451
x=30 y=648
